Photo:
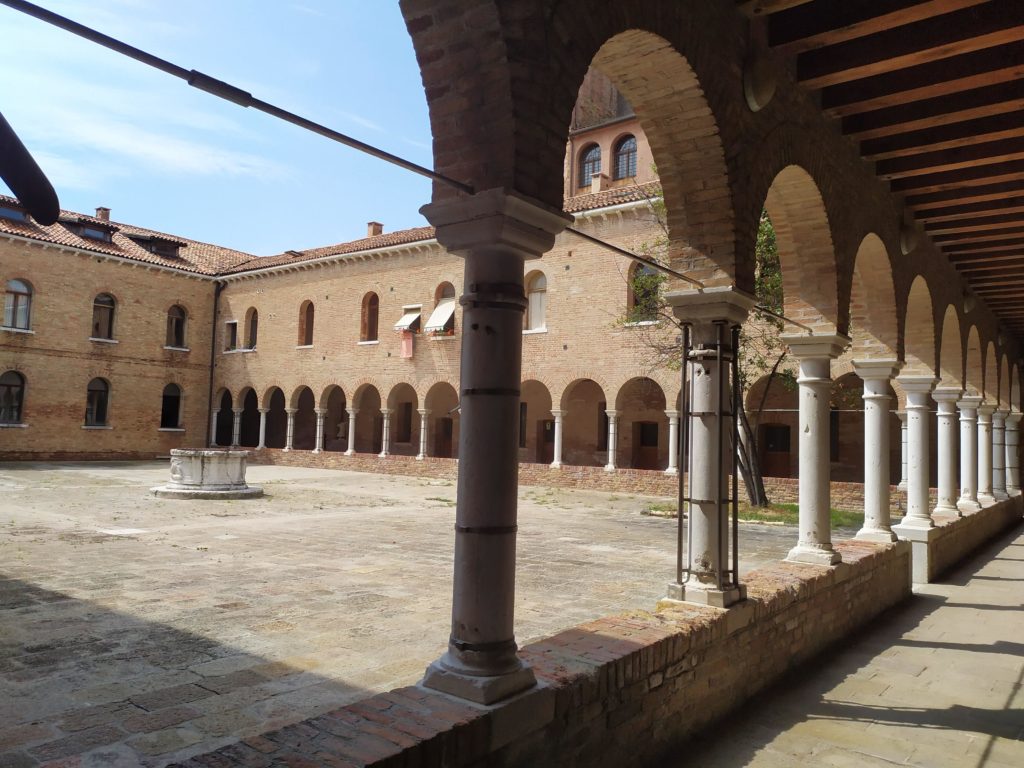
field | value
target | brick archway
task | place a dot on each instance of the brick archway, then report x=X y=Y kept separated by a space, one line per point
x=975 y=370
x=873 y=323
x=919 y=330
x=951 y=351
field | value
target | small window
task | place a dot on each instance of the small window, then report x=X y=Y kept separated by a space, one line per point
x=403 y=427
x=625 y=158
x=176 y=318
x=590 y=163
x=644 y=287
x=12 y=395
x=252 y=328
x=442 y=319
x=103 y=316
x=18 y=305
x=230 y=335
x=306 y=314
x=14 y=214
x=370 y=316
x=776 y=438
x=170 y=408
x=94 y=233
x=97 y=397
x=602 y=426
x=537 y=301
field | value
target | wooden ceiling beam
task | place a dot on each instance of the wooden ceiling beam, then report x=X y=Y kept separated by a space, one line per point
x=980 y=194
x=989 y=153
x=998 y=247
x=765 y=7
x=982 y=130
x=989 y=259
x=978 y=70
x=965 y=177
x=957 y=212
x=970 y=29
x=814 y=25
x=972 y=225
x=1009 y=268
x=1010 y=232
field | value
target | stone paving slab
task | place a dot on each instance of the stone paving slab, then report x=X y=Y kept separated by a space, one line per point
x=938 y=684
x=137 y=631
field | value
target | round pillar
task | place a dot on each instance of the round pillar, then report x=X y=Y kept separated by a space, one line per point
x=877 y=404
x=968 y=406
x=947 y=431
x=918 y=389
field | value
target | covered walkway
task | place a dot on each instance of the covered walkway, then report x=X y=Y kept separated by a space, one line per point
x=937 y=682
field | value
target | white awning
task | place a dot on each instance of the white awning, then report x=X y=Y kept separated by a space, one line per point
x=410 y=320
x=441 y=316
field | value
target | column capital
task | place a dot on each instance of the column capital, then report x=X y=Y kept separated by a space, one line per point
x=986 y=409
x=263 y=410
x=238 y=411
x=386 y=411
x=352 y=411
x=1013 y=418
x=497 y=220
x=611 y=414
x=969 y=402
x=709 y=305
x=916 y=383
x=423 y=411
x=877 y=370
x=947 y=394
x=557 y=413
x=291 y=411
x=672 y=414
x=320 y=411
x=816 y=346
x=1000 y=413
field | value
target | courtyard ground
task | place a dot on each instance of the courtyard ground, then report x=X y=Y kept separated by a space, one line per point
x=139 y=631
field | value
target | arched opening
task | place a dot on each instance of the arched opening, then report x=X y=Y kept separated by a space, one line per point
x=18 y=305
x=176 y=321
x=442 y=319
x=277 y=418
x=643 y=425
x=12 y=397
x=405 y=420
x=589 y=164
x=991 y=391
x=335 y=419
x=370 y=317
x=975 y=371
x=951 y=351
x=306 y=316
x=874 y=328
x=919 y=331
x=536 y=424
x=252 y=327
x=170 y=407
x=304 y=419
x=369 y=427
x=103 y=316
x=1004 y=383
x=535 y=318
x=584 y=424
x=225 y=422
x=250 y=433
x=1015 y=388
x=625 y=158
x=773 y=409
x=443 y=422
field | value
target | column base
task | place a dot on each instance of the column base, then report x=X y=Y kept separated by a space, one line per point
x=672 y=471
x=968 y=506
x=349 y=452
x=477 y=688
x=556 y=465
x=691 y=593
x=420 y=457
x=286 y=449
x=1000 y=495
x=383 y=454
x=316 y=450
x=880 y=535
x=986 y=499
x=947 y=509
x=914 y=523
x=902 y=487
x=814 y=555
x=922 y=563
x=609 y=467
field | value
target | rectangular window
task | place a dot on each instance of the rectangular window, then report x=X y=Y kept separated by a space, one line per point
x=648 y=434
x=776 y=438
x=231 y=335
x=602 y=426
x=403 y=428
x=102 y=321
x=522 y=425
x=96 y=408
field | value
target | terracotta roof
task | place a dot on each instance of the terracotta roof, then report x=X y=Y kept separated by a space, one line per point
x=617 y=196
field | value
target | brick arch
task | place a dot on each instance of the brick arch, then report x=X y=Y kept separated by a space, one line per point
x=440 y=389
x=269 y=393
x=293 y=399
x=362 y=385
x=565 y=383
x=951 y=350
x=919 y=330
x=806 y=252
x=991 y=384
x=325 y=394
x=1015 y=388
x=974 y=373
x=873 y=322
x=424 y=389
x=401 y=389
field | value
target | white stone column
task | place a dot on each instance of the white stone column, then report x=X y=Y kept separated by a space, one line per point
x=1012 y=453
x=673 y=442
x=262 y=427
x=350 y=449
x=213 y=426
x=710 y=315
x=876 y=375
x=902 y=416
x=424 y=414
x=385 y=442
x=918 y=388
x=946 y=435
x=613 y=439
x=495 y=232
x=318 y=446
x=999 y=455
x=815 y=354
x=985 y=497
x=236 y=426
x=557 y=414
x=290 y=433
x=968 y=406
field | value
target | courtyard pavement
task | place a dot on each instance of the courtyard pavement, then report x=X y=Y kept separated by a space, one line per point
x=137 y=631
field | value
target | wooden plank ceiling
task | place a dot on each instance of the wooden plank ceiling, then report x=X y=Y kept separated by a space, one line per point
x=933 y=93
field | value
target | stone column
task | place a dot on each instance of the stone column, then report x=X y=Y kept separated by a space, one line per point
x=902 y=416
x=557 y=462
x=946 y=437
x=495 y=232
x=1012 y=453
x=710 y=466
x=236 y=426
x=213 y=426
x=968 y=406
x=613 y=439
x=318 y=446
x=985 y=497
x=350 y=449
x=424 y=413
x=673 y=442
x=999 y=456
x=877 y=520
x=263 y=428
x=917 y=387
x=385 y=442
x=815 y=354
x=290 y=433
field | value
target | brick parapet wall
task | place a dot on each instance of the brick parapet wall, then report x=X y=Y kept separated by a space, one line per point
x=621 y=690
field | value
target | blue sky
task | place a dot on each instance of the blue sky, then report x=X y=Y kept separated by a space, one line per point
x=110 y=131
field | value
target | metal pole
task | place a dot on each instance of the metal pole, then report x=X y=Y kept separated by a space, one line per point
x=718 y=447
x=683 y=468
x=736 y=395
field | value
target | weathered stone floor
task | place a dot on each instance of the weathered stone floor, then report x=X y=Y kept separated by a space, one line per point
x=137 y=631
x=937 y=684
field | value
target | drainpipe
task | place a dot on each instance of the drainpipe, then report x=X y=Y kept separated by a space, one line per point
x=213 y=343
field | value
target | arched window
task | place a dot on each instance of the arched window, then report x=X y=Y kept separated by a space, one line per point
x=12 y=395
x=306 y=324
x=590 y=163
x=252 y=327
x=537 y=301
x=442 y=319
x=625 y=158
x=18 y=305
x=170 y=407
x=176 y=318
x=371 y=310
x=103 y=316
x=96 y=398
x=644 y=285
